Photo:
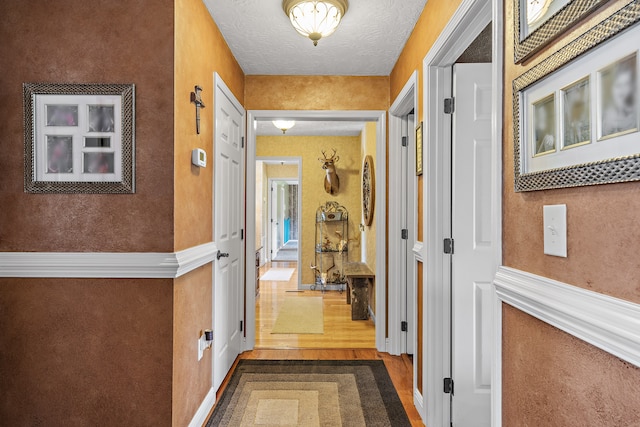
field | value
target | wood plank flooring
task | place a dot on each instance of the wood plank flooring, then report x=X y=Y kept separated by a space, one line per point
x=343 y=339
x=339 y=330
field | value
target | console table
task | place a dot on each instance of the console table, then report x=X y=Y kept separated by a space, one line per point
x=358 y=276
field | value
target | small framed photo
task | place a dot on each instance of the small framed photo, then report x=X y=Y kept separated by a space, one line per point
x=544 y=126
x=79 y=138
x=576 y=114
x=617 y=98
x=419 y=151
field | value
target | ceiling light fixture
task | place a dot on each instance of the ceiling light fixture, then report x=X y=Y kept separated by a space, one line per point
x=284 y=125
x=315 y=18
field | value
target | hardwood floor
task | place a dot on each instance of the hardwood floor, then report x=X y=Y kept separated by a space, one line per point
x=339 y=330
x=343 y=339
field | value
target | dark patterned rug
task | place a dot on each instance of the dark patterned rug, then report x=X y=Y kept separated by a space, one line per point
x=310 y=393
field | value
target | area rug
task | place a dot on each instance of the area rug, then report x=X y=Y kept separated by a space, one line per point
x=310 y=393
x=286 y=255
x=278 y=275
x=300 y=315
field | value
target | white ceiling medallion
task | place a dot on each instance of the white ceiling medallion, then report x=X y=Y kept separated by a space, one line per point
x=284 y=125
x=315 y=19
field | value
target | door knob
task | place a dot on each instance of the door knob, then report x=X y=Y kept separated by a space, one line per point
x=222 y=255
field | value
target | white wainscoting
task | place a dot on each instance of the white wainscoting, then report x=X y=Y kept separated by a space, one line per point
x=608 y=323
x=147 y=265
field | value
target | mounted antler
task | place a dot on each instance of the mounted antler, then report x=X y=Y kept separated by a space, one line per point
x=331 y=181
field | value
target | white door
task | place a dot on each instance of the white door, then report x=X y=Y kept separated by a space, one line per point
x=228 y=295
x=472 y=271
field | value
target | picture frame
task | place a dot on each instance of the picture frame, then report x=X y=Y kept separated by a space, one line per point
x=539 y=22
x=574 y=80
x=419 y=151
x=79 y=138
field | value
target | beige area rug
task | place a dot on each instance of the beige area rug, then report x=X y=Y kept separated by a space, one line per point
x=301 y=315
x=309 y=394
x=277 y=275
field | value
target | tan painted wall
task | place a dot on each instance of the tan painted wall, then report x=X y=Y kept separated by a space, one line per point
x=200 y=50
x=369 y=149
x=312 y=187
x=192 y=314
x=368 y=138
x=316 y=93
x=603 y=242
x=433 y=19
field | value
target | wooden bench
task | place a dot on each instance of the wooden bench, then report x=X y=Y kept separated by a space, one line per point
x=358 y=276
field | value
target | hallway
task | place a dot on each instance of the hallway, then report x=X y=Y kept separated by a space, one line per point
x=339 y=330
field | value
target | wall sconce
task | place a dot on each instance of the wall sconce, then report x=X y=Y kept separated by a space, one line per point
x=196 y=98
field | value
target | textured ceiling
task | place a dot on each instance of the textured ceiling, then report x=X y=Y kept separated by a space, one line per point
x=312 y=128
x=367 y=42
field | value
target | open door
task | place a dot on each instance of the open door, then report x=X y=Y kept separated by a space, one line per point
x=228 y=284
x=472 y=259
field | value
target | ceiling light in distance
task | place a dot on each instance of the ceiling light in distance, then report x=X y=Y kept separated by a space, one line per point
x=284 y=125
x=315 y=18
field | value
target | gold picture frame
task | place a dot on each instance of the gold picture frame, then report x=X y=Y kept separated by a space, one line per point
x=552 y=18
x=419 y=155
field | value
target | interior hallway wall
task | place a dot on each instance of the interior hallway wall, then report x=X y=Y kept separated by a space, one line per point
x=312 y=186
x=200 y=50
x=551 y=378
x=105 y=356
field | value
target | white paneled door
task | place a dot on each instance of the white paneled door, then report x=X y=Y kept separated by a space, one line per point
x=472 y=262
x=228 y=294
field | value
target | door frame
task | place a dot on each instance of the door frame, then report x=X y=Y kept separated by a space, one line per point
x=404 y=103
x=290 y=160
x=218 y=83
x=380 y=117
x=468 y=21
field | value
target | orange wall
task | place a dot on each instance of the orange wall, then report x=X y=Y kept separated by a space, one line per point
x=200 y=51
x=433 y=19
x=603 y=242
x=316 y=93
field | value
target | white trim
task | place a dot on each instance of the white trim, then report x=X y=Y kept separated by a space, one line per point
x=418 y=249
x=467 y=22
x=380 y=117
x=139 y=265
x=418 y=402
x=200 y=417
x=608 y=323
x=405 y=102
x=497 y=64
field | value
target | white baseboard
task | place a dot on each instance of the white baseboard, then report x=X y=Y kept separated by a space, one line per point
x=200 y=417
x=608 y=323
x=147 y=265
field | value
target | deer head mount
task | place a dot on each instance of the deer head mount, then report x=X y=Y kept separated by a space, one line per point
x=331 y=180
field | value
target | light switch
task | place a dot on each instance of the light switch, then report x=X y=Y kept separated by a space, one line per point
x=555 y=230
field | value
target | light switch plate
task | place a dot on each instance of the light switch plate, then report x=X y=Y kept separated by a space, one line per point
x=555 y=230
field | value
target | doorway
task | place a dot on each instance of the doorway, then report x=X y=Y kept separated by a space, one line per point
x=352 y=175
x=445 y=299
x=283 y=219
